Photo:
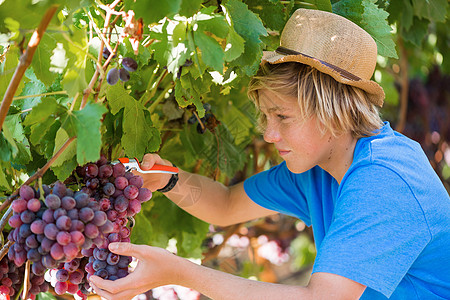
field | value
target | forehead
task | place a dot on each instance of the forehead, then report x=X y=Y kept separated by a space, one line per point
x=271 y=101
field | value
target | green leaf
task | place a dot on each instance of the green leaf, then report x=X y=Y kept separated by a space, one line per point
x=4 y=183
x=416 y=34
x=402 y=13
x=352 y=10
x=271 y=12
x=44 y=110
x=189 y=7
x=212 y=53
x=151 y=11
x=235 y=46
x=433 y=10
x=45 y=296
x=69 y=153
x=7 y=69
x=250 y=28
x=41 y=60
x=375 y=23
x=88 y=124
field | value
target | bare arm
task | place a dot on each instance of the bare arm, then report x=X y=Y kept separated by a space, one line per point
x=158 y=267
x=205 y=198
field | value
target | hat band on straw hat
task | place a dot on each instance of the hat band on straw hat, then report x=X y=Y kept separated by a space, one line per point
x=342 y=72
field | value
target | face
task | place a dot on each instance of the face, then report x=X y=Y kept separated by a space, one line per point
x=300 y=142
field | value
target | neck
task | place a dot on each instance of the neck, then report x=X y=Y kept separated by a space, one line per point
x=340 y=156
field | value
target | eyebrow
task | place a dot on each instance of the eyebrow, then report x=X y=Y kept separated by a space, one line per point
x=274 y=109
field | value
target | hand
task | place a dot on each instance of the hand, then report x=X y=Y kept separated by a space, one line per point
x=157 y=180
x=156 y=267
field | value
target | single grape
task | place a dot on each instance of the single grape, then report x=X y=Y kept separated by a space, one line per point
x=113 y=76
x=59 y=189
x=47 y=244
x=47 y=216
x=77 y=238
x=137 y=181
x=107 y=227
x=48 y=261
x=129 y=64
x=77 y=225
x=100 y=218
x=121 y=183
x=121 y=204
x=109 y=189
x=82 y=199
x=50 y=231
x=68 y=203
x=92 y=183
x=71 y=251
x=192 y=120
x=91 y=231
x=62 y=275
x=106 y=53
x=134 y=207
x=59 y=212
x=102 y=273
x=63 y=223
x=63 y=238
x=19 y=205
x=207 y=106
x=124 y=75
x=34 y=205
x=27 y=216
x=15 y=221
x=91 y=170
x=131 y=191
x=105 y=171
x=86 y=214
x=57 y=251
x=37 y=226
x=113 y=259
x=31 y=241
x=72 y=265
x=99 y=264
x=26 y=192
x=61 y=288
x=37 y=268
x=52 y=201
x=24 y=230
x=144 y=195
x=105 y=204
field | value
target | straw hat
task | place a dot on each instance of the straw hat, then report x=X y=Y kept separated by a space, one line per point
x=333 y=45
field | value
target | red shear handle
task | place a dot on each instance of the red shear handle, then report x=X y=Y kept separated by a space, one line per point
x=157 y=167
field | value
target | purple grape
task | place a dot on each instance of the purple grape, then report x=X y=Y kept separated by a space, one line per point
x=91 y=170
x=131 y=192
x=71 y=251
x=27 y=216
x=118 y=170
x=91 y=231
x=107 y=227
x=62 y=275
x=37 y=226
x=59 y=189
x=82 y=199
x=77 y=225
x=102 y=273
x=134 y=207
x=100 y=218
x=15 y=221
x=68 y=203
x=34 y=205
x=72 y=265
x=19 y=205
x=129 y=64
x=77 y=238
x=57 y=251
x=26 y=192
x=59 y=213
x=105 y=171
x=113 y=76
x=37 y=268
x=105 y=204
x=124 y=261
x=86 y=214
x=121 y=183
x=47 y=244
x=48 y=261
x=52 y=201
x=92 y=183
x=33 y=255
x=51 y=231
x=31 y=241
x=20 y=257
x=114 y=237
x=121 y=204
x=47 y=216
x=144 y=195
x=99 y=264
x=113 y=259
x=109 y=189
x=63 y=238
x=73 y=214
x=63 y=223
x=94 y=205
x=128 y=175
x=112 y=270
x=112 y=215
x=124 y=232
x=124 y=75
x=76 y=277
x=137 y=181
x=61 y=287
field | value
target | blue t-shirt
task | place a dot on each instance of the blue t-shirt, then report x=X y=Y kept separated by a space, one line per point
x=387 y=225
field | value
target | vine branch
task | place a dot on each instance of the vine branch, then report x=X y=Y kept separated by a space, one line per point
x=24 y=63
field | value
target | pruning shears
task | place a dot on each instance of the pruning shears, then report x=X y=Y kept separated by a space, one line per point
x=133 y=164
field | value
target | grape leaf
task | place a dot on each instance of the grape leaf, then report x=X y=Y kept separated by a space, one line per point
x=151 y=11
x=69 y=153
x=7 y=69
x=401 y=12
x=416 y=34
x=250 y=28
x=189 y=7
x=88 y=132
x=375 y=23
x=212 y=53
x=41 y=60
x=235 y=46
x=4 y=183
x=271 y=12
x=43 y=111
x=433 y=10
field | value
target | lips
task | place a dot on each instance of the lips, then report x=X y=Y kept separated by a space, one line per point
x=283 y=152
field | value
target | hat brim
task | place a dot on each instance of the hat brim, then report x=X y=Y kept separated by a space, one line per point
x=373 y=89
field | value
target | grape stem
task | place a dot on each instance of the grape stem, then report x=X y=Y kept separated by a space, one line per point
x=5 y=249
x=40 y=95
x=5 y=218
x=26 y=280
x=24 y=63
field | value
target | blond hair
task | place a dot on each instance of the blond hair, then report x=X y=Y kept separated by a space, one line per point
x=338 y=107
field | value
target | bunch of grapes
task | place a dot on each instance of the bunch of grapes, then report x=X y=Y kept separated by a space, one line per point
x=208 y=121
x=128 y=64
x=68 y=232
x=12 y=276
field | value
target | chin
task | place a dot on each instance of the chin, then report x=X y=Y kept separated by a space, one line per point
x=297 y=169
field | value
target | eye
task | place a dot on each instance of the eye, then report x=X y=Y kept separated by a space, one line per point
x=281 y=117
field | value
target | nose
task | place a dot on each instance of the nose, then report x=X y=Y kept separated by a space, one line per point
x=271 y=133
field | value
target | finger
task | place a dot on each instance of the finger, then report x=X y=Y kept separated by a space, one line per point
x=123 y=295
x=149 y=160
x=129 y=249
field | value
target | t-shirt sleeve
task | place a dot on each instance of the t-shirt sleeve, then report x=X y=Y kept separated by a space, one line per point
x=378 y=230
x=279 y=189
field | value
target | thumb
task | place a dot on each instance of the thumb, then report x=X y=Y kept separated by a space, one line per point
x=128 y=249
